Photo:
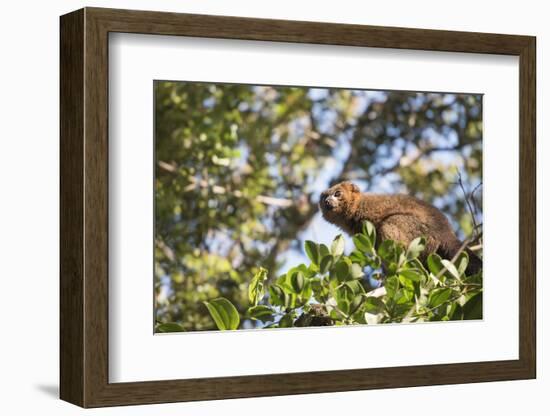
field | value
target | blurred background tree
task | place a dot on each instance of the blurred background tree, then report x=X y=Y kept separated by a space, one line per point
x=239 y=170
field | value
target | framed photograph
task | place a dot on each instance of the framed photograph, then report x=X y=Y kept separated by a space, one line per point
x=257 y=207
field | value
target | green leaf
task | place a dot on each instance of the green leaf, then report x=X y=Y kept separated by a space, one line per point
x=370 y=231
x=374 y=262
x=306 y=293
x=276 y=295
x=334 y=315
x=356 y=271
x=358 y=257
x=454 y=311
x=344 y=306
x=342 y=270
x=363 y=243
x=286 y=321
x=451 y=269
x=355 y=304
x=256 y=287
x=297 y=282
x=323 y=250
x=461 y=263
x=434 y=263
x=169 y=327
x=416 y=264
x=416 y=247
x=413 y=275
x=391 y=285
x=337 y=247
x=406 y=283
x=320 y=290
x=326 y=264
x=437 y=265
x=373 y=305
x=401 y=308
x=290 y=300
x=476 y=278
x=307 y=271
x=223 y=313
x=391 y=268
x=439 y=296
x=358 y=317
x=473 y=309
x=261 y=312
x=355 y=286
x=344 y=297
x=404 y=296
x=387 y=251
x=312 y=251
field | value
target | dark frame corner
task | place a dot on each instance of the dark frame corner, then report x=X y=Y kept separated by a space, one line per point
x=84 y=207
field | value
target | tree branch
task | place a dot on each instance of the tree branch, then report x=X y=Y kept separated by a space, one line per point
x=220 y=190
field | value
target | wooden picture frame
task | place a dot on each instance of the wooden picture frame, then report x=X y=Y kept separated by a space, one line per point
x=84 y=207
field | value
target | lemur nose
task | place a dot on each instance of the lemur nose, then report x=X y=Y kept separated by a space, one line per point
x=328 y=202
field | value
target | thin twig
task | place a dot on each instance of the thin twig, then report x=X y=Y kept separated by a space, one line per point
x=467 y=200
x=470 y=197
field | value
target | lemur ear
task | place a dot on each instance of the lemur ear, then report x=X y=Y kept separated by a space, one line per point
x=352 y=187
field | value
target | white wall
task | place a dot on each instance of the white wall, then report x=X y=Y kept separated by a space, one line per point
x=29 y=212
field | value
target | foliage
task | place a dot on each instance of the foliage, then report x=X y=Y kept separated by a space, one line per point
x=224 y=313
x=239 y=169
x=329 y=291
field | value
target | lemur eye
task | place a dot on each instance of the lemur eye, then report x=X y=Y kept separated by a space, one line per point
x=337 y=194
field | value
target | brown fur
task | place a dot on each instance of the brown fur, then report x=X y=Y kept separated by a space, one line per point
x=400 y=218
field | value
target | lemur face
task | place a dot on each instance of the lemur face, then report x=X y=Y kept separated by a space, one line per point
x=334 y=200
